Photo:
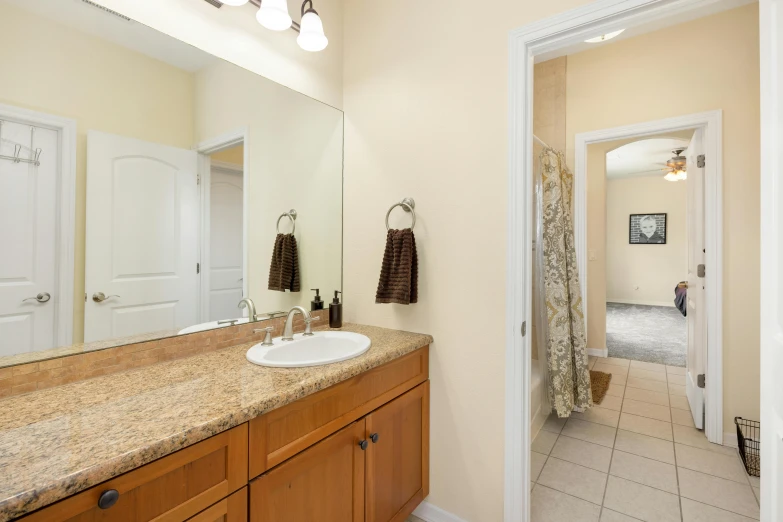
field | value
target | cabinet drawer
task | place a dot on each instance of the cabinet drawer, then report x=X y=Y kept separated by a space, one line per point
x=282 y=433
x=231 y=509
x=170 y=489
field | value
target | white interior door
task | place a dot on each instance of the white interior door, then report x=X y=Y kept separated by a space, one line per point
x=28 y=235
x=225 y=248
x=697 y=313
x=142 y=237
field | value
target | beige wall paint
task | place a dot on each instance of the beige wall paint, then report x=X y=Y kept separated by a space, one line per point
x=102 y=86
x=654 y=269
x=621 y=83
x=234 y=155
x=596 y=243
x=232 y=33
x=426 y=116
x=294 y=149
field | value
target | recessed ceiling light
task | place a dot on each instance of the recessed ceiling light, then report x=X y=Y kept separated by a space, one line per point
x=604 y=37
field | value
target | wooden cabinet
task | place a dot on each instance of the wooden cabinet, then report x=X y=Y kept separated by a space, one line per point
x=398 y=457
x=324 y=483
x=169 y=489
x=231 y=509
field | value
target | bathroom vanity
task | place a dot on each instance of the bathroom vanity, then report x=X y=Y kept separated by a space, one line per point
x=214 y=437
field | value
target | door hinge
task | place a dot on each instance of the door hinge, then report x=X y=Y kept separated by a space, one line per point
x=198 y=179
x=700 y=380
x=198 y=268
x=524 y=328
x=700 y=161
x=700 y=270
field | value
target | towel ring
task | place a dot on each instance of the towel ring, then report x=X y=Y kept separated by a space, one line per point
x=408 y=205
x=291 y=214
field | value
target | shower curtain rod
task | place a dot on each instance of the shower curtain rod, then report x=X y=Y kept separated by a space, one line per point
x=539 y=140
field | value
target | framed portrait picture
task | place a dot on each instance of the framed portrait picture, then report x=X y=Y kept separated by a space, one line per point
x=647 y=229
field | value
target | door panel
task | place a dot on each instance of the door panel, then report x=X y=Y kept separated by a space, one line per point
x=28 y=235
x=323 y=483
x=225 y=249
x=142 y=237
x=398 y=460
x=231 y=509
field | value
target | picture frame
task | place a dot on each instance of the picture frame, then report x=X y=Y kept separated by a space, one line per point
x=647 y=229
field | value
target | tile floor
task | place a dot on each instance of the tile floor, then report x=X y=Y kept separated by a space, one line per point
x=637 y=456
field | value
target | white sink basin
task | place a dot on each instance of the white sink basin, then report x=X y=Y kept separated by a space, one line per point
x=211 y=326
x=320 y=348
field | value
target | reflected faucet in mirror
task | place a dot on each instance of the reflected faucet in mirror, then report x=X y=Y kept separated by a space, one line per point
x=251 y=308
x=288 y=330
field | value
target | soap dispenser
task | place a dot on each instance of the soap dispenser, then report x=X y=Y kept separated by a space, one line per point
x=317 y=303
x=336 y=312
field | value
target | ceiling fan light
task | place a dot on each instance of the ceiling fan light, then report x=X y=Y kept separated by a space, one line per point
x=604 y=37
x=671 y=176
x=682 y=175
x=273 y=14
x=234 y=3
x=311 y=33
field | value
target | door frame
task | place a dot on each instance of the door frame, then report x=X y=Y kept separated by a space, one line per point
x=205 y=148
x=524 y=43
x=711 y=123
x=66 y=212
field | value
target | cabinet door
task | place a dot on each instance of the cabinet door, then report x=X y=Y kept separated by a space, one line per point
x=231 y=509
x=324 y=483
x=398 y=456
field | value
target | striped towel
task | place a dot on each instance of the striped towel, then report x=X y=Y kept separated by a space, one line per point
x=400 y=269
x=284 y=269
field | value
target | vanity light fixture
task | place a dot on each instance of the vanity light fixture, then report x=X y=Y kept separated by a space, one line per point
x=273 y=14
x=604 y=37
x=311 y=30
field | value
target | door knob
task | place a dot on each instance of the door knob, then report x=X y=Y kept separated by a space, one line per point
x=100 y=297
x=41 y=298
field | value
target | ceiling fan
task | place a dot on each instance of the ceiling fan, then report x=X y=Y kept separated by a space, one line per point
x=676 y=167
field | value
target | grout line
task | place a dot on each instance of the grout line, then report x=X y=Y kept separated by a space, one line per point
x=565 y=493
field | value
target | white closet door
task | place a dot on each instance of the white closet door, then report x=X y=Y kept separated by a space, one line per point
x=28 y=237
x=142 y=237
x=225 y=249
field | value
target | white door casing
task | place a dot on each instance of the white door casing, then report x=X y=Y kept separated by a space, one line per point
x=142 y=237
x=696 y=363
x=225 y=246
x=771 y=270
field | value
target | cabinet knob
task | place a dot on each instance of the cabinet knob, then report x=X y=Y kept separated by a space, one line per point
x=363 y=444
x=108 y=498
x=374 y=438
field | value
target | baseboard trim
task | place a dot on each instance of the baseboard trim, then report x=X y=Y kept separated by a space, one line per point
x=598 y=352
x=730 y=439
x=670 y=304
x=431 y=513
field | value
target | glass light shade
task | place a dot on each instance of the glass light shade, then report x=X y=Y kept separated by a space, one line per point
x=682 y=175
x=604 y=37
x=311 y=33
x=671 y=176
x=233 y=3
x=273 y=14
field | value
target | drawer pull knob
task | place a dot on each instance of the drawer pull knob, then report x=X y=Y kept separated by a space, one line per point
x=363 y=444
x=108 y=498
x=374 y=438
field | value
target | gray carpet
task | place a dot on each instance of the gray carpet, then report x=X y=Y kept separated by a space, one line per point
x=656 y=334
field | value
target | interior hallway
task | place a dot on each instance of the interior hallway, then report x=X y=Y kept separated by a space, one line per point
x=637 y=456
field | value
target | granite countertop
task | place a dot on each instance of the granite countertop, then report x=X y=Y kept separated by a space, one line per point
x=59 y=441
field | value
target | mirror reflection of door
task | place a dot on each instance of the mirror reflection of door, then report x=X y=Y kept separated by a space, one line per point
x=225 y=235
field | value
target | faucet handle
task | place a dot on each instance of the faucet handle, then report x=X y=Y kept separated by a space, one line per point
x=268 y=337
x=308 y=329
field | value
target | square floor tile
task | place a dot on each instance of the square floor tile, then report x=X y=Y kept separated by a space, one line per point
x=584 y=453
x=647 y=384
x=646 y=426
x=615 y=361
x=537 y=461
x=590 y=432
x=649 y=472
x=718 y=492
x=706 y=461
x=645 y=409
x=697 y=439
x=638 y=394
x=610 y=402
x=590 y=362
x=682 y=417
x=646 y=374
x=677 y=389
x=544 y=442
x=757 y=492
x=599 y=416
x=549 y=505
x=607 y=515
x=618 y=373
x=675 y=370
x=645 y=446
x=754 y=481
x=693 y=511
x=652 y=367
x=679 y=402
x=676 y=379
x=641 y=502
x=579 y=481
x=616 y=390
x=554 y=423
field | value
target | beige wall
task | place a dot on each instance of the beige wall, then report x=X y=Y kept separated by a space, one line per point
x=596 y=243
x=645 y=274
x=232 y=33
x=234 y=155
x=64 y=72
x=294 y=150
x=718 y=68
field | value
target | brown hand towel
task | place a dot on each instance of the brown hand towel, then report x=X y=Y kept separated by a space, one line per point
x=284 y=270
x=400 y=269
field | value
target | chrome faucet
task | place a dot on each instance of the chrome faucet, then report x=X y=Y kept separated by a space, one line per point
x=288 y=330
x=251 y=309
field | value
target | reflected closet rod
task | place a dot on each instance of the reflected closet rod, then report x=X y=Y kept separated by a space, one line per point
x=539 y=140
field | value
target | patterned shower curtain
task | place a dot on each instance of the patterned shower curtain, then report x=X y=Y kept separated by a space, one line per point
x=569 y=376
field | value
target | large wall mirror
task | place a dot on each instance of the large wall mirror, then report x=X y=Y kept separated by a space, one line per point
x=147 y=187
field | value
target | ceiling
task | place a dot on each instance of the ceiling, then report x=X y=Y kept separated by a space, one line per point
x=642 y=158
x=663 y=22
x=132 y=35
